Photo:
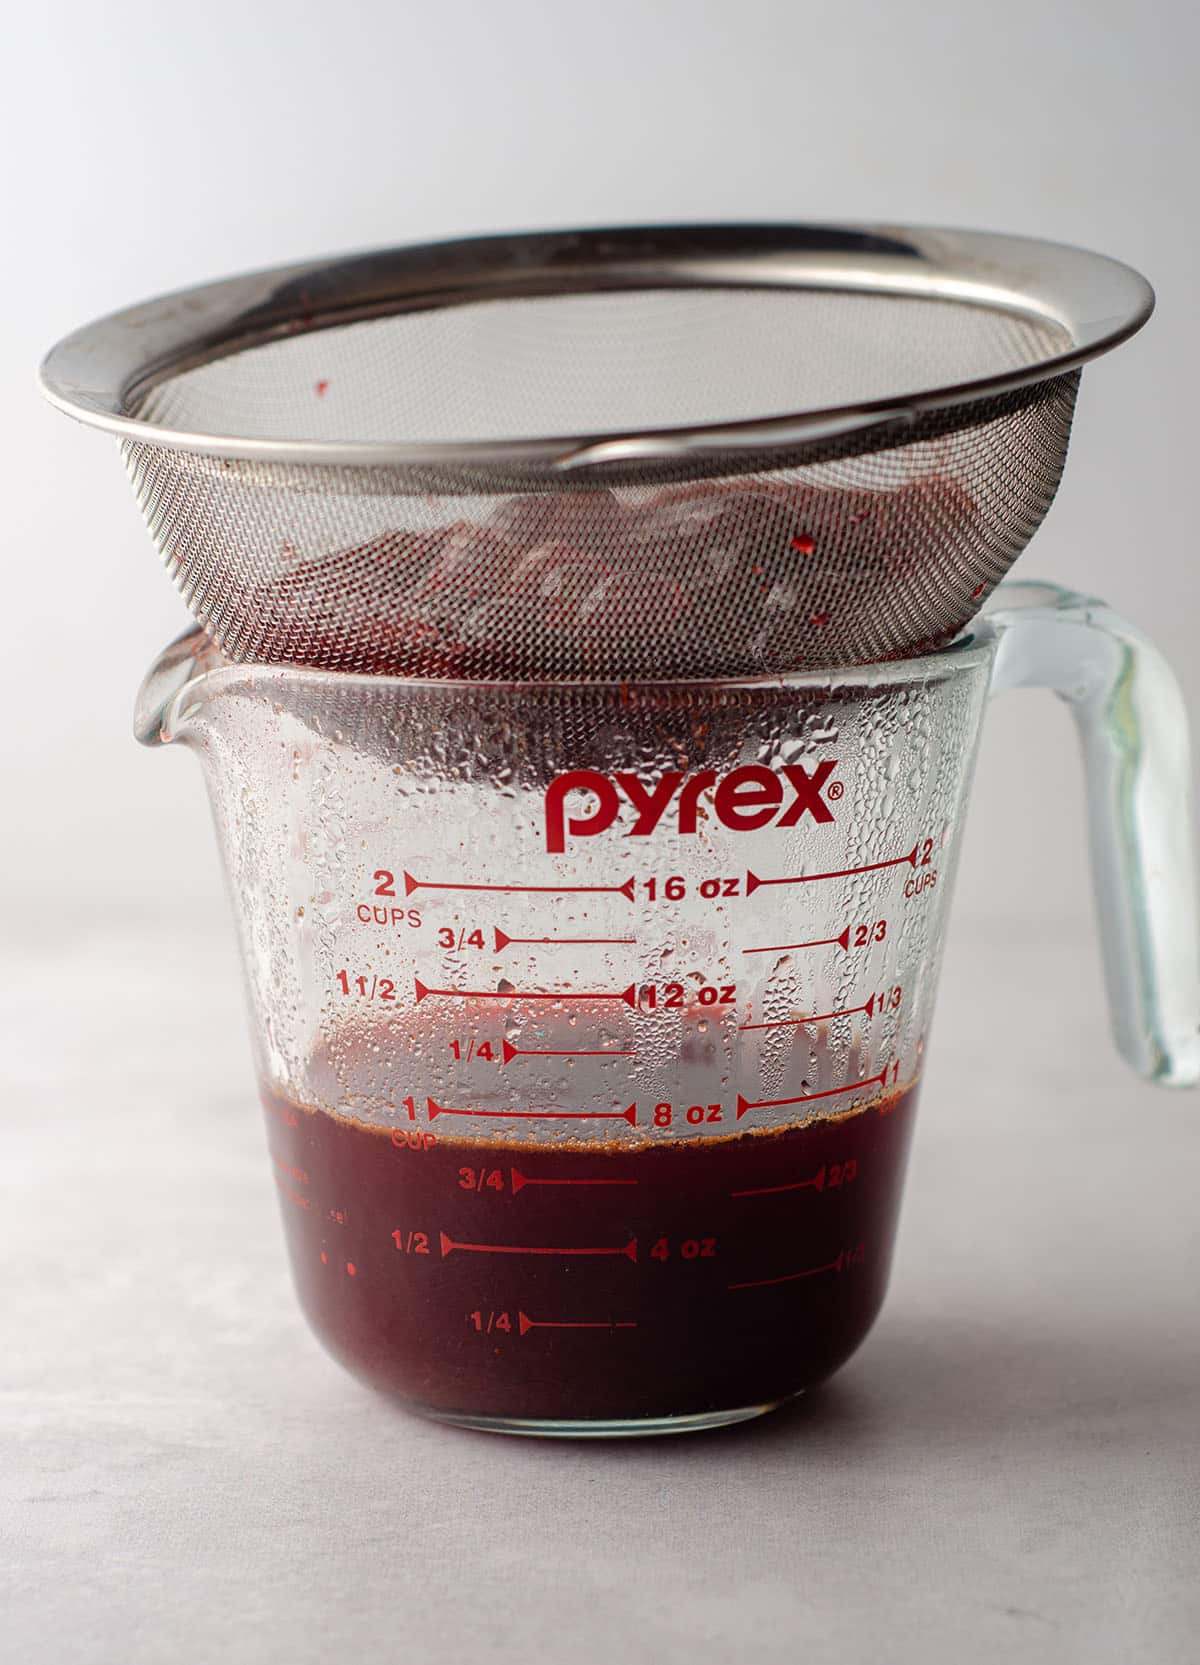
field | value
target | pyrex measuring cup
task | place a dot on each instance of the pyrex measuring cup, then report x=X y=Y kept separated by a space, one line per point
x=590 y=1018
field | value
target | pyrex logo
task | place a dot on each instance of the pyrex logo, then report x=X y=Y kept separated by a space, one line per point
x=743 y=800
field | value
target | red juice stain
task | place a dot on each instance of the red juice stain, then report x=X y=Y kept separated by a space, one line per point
x=322 y=389
x=596 y=1280
x=580 y=562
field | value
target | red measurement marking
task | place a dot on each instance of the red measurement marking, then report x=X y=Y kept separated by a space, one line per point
x=629 y=1250
x=910 y=860
x=744 y=1104
x=525 y=1324
x=626 y=889
x=821 y=942
x=791 y=1277
x=629 y=995
x=511 y=1052
x=503 y=939
x=817 y=1017
x=816 y=1183
x=630 y=1115
x=520 y=1181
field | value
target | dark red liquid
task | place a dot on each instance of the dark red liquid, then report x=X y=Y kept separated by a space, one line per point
x=591 y=1281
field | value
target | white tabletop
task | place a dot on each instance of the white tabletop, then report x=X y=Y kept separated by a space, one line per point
x=1008 y=1470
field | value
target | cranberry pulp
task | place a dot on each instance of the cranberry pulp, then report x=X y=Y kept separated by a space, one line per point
x=559 y=1282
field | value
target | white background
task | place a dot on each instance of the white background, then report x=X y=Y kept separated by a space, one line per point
x=1008 y=1472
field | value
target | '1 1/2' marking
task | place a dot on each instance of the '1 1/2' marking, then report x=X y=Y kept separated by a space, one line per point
x=369 y=988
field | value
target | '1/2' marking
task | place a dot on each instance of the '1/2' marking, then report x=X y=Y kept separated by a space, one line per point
x=449 y=1246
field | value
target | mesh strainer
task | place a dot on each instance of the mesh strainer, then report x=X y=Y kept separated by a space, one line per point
x=693 y=451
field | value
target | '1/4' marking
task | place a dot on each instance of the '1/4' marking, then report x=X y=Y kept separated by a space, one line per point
x=845 y=1259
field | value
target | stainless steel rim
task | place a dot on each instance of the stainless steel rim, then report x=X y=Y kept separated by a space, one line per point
x=96 y=372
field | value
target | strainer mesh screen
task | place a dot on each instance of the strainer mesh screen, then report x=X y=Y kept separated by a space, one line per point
x=867 y=546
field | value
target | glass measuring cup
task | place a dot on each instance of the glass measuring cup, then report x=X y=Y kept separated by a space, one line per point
x=590 y=1018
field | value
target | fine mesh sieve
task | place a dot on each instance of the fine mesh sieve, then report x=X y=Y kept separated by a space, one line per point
x=693 y=451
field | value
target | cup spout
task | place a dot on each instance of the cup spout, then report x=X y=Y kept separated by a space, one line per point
x=187 y=659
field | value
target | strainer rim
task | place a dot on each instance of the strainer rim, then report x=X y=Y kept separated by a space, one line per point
x=93 y=373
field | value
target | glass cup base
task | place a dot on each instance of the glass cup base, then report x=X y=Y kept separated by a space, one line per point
x=592 y=1428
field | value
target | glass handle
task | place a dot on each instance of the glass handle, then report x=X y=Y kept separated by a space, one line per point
x=1133 y=728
